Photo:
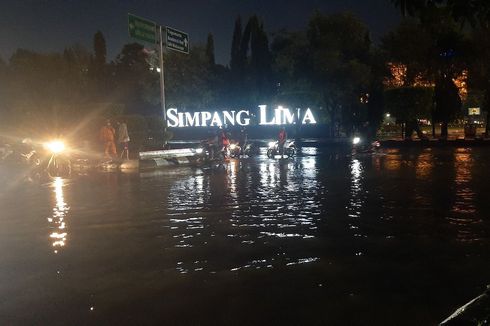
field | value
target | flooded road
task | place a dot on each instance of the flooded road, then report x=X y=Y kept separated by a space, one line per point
x=326 y=238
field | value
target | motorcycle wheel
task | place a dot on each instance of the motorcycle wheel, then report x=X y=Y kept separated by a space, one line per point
x=270 y=153
x=59 y=168
x=35 y=161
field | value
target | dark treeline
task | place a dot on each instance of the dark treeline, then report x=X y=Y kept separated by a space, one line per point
x=331 y=66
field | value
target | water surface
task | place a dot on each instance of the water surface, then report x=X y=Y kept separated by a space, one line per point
x=400 y=237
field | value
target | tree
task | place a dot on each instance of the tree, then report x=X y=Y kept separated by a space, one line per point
x=250 y=64
x=210 y=50
x=375 y=95
x=479 y=70
x=235 y=61
x=447 y=103
x=190 y=80
x=409 y=7
x=260 y=62
x=332 y=67
x=339 y=55
x=136 y=85
x=433 y=50
x=413 y=47
x=100 y=50
x=48 y=90
x=408 y=104
x=475 y=12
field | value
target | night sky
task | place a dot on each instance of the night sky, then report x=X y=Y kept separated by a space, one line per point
x=50 y=25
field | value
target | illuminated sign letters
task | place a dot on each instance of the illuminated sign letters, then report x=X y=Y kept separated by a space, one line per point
x=278 y=116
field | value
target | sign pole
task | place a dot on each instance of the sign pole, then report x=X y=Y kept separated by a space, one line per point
x=175 y=40
x=162 y=82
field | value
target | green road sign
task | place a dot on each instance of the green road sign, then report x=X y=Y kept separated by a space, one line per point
x=142 y=29
x=177 y=40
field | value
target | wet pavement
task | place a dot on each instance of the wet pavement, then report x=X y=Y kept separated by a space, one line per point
x=396 y=238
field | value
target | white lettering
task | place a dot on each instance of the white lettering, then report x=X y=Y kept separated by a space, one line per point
x=288 y=117
x=229 y=118
x=281 y=116
x=192 y=119
x=263 y=116
x=244 y=121
x=278 y=115
x=308 y=116
x=216 y=120
x=172 y=119
x=205 y=116
x=181 y=119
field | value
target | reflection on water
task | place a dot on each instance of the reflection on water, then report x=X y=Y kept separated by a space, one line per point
x=463 y=209
x=259 y=204
x=356 y=198
x=58 y=219
x=254 y=204
x=393 y=159
x=324 y=230
x=424 y=164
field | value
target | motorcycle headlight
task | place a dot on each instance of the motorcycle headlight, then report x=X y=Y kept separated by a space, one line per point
x=356 y=140
x=199 y=150
x=272 y=144
x=55 y=146
x=232 y=146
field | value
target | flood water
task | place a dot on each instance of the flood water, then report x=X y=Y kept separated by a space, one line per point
x=326 y=238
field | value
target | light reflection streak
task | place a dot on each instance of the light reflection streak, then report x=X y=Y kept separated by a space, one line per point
x=356 y=189
x=60 y=211
x=464 y=208
x=248 y=206
x=356 y=200
x=424 y=165
x=393 y=159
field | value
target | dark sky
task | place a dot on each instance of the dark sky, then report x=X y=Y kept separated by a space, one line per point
x=50 y=25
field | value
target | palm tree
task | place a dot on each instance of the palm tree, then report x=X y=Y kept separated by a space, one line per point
x=410 y=7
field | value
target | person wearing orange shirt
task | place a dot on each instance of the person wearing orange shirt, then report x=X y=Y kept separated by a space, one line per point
x=107 y=136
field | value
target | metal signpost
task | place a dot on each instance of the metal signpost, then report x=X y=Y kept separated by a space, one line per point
x=162 y=79
x=146 y=30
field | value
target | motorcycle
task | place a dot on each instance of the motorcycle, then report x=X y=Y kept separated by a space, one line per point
x=59 y=163
x=289 y=149
x=203 y=152
x=208 y=155
x=251 y=149
x=360 y=146
x=234 y=150
x=23 y=154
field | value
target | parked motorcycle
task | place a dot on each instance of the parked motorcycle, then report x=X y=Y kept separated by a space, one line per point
x=23 y=154
x=289 y=149
x=234 y=150
x=208 y=155
x=251 y=149
x=59 y=162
